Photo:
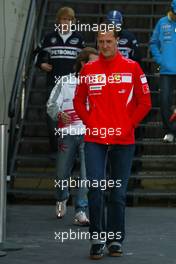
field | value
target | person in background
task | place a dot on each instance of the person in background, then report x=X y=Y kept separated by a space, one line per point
x=71 y=142
x=163 y=49
x=119 y=98
x=56 y=55
x=127 y=44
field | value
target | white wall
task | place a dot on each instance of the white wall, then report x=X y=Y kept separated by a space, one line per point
x=13 y=15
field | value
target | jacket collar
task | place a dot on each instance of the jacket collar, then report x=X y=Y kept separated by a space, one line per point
x=112 y=60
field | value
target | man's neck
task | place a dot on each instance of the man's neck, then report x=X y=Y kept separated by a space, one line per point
x=64 y=32
x=108 y=58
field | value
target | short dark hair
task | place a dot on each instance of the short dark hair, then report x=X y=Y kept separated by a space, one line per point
x=84 y=57
x=107 y=25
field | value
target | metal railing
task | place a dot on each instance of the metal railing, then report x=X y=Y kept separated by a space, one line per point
x=24 y=72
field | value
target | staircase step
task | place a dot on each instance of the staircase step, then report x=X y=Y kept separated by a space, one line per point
x=94 y=19
x=34 y=90
x=157 y=158
x=152 y=193
x=155 y=141
x=162 y=173
x=42 y=157
x=152 y=124
x=141 y=176
x=35 y=175
x=36 y=140
x=135 y=193
x=32 y=192
x=152 y=177
x=149 y=124
x=26 y=123
x=151 y=158
x=35 y=106
x=145 y=141
x=142 y=2
x=35 y=160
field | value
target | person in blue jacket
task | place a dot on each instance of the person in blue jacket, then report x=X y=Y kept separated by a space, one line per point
x=163 y=49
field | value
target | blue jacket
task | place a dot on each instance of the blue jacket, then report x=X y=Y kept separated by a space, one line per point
x=163 y=45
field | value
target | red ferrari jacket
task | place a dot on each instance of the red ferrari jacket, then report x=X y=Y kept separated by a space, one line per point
x=112 y=97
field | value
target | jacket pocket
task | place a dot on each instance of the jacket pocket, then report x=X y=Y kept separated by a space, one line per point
x=125 y=124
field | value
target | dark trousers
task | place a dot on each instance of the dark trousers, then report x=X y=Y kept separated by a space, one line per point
x=53 y=140
x=120 y=157
x=167 y=86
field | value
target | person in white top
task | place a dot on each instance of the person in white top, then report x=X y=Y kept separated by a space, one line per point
x=56 y=55
x=70 y=143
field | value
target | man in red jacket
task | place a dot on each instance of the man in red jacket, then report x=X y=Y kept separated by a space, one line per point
x=112 y=98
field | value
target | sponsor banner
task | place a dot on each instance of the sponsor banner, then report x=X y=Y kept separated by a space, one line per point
x=143 y=79
x=97 y=79
x=120 y=78
x=95 y=88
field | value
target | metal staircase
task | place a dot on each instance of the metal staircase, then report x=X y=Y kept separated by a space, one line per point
x=32 y=169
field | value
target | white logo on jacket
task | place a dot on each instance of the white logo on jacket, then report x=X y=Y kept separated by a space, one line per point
x=74 y=41
x=120 y=78
x=95 y=87
x=122 y=91
x=143 y=79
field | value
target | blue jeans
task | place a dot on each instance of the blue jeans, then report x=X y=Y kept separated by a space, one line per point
x=120 y=157
x=167 y=86
x=68 y=148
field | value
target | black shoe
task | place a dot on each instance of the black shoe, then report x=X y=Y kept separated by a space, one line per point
x=97 y=251
x=115 y=250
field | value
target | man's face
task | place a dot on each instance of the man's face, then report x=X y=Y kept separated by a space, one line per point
x=65 y=23
x=107 y=44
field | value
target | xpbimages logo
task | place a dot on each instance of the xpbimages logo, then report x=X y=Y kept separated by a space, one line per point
x=80 y=235
x=102 y=132
x=96 y=79
x=87 y=27
x=85 y=183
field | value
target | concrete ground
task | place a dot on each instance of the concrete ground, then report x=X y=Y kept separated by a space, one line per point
x=150 y=238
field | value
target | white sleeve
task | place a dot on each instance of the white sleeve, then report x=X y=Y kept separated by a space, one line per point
x=55 y=100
